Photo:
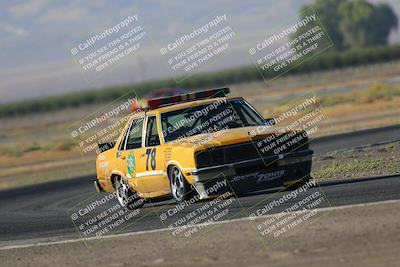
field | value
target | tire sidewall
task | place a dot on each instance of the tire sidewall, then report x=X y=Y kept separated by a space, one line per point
x=187 y=189
x=134 y=201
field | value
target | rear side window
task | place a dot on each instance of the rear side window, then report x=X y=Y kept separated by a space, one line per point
x=123 y=141
x=152 y=138
x=135 y=134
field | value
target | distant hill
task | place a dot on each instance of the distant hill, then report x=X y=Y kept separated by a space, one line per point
x=37 y=36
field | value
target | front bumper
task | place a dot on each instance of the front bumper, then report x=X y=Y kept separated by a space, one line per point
x=235 y=168
x=255 y=174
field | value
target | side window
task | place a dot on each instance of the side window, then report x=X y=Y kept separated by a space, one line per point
x=152 y=138
x=135 y=134
x=123 y=142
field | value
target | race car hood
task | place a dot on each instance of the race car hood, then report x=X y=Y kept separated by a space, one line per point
x=228 y=137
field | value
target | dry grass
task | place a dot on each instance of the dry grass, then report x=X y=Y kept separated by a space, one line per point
x=372 y=161
x=351 y=99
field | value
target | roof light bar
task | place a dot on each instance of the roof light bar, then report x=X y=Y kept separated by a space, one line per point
x=163 y=101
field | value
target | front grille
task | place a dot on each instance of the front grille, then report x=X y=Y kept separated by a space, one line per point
x=284 y=143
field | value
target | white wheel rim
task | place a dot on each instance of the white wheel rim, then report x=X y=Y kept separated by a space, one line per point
x=177 y=184
x=122 y=191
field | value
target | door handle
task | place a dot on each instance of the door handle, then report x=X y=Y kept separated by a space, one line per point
x=119 y=155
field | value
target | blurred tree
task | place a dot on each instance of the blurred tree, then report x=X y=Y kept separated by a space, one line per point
x=384 y=17
x=329 y=16
x=354 y=23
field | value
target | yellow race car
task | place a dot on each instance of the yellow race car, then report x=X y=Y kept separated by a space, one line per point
x=200 y=144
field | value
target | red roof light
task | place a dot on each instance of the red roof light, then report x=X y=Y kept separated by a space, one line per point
x=164 y=101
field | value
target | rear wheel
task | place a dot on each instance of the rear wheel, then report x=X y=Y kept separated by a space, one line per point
x=180 y=188
x=126 y=196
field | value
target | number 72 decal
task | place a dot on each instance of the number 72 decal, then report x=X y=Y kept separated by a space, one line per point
x=151 y=153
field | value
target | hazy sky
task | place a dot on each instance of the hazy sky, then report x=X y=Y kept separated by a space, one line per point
x=37 y=37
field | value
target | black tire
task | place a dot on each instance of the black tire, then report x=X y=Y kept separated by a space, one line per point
x=126 y=196
x=180 y=188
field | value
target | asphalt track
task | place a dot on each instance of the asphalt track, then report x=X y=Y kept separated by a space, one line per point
x=41 y=211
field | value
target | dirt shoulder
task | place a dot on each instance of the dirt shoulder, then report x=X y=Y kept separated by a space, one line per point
x=357 y=236
x=359 y=162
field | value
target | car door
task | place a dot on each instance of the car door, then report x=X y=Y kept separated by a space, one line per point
x=151 y=172
x=129 y=151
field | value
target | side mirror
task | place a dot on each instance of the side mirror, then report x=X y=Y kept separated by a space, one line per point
x=270 y=121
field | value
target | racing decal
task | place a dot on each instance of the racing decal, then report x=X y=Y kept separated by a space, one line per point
x=261 y=177
x=131 y=164
x=151 y=156
x=270 y=176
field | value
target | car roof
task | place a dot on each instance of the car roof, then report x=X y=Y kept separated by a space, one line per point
x=182 y=105
x=189 y=104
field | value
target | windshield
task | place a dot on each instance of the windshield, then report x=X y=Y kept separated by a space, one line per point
x=208 y=118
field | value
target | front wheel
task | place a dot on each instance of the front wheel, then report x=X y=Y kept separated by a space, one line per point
x=180 y=188
x=126 y=196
